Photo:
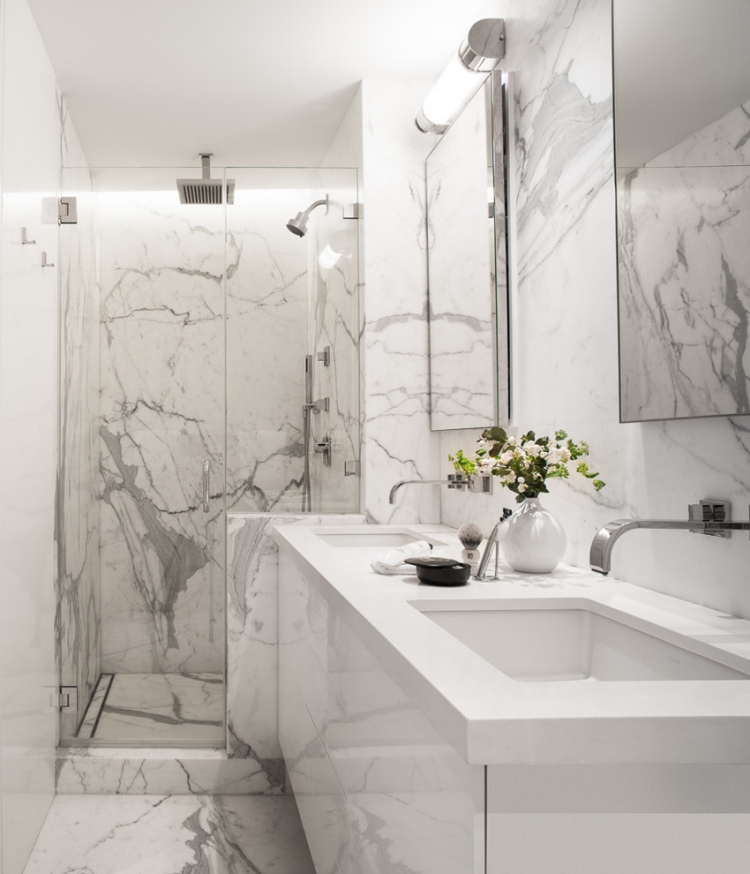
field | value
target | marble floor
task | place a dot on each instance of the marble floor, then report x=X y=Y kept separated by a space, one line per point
x=173 y=834
x=155 y=709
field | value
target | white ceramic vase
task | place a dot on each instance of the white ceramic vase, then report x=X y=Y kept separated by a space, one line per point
x=533 y=541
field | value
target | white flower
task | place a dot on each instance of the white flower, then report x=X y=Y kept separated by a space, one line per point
x=521 y=479
x=511 y=441
x=506 y=457
x=522 y=488
x=532 y=449
x=509 y=477
x=485 y=465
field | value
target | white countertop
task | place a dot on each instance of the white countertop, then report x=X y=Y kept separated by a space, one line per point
x=493 y=719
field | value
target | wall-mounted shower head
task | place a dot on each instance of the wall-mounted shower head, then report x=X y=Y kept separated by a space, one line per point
x=205 y=190
x=298 y=225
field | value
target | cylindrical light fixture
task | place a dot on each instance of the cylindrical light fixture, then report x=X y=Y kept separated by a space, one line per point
x=480 y=53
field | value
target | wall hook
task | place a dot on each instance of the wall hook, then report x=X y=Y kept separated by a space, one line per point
x=25 y=241
x=45 y=262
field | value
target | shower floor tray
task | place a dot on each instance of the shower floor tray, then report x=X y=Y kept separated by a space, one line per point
x=156 y=709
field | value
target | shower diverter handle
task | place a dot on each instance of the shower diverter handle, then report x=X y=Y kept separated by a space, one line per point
x=206 y=486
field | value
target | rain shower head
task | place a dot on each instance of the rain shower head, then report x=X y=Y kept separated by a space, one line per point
x=298 y=225
x=205 y=190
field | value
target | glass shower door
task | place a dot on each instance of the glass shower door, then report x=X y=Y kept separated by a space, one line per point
x=142 y=624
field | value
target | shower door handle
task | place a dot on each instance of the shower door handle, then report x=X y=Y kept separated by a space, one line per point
x=206 y=486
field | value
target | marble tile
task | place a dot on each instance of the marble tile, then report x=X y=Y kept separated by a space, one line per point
x=397 y=440
x=267 y=308
x=252 y=617
x=162 y=834
x=161 y=270
x=163 y=708
x=335 y=325
x=153 y=771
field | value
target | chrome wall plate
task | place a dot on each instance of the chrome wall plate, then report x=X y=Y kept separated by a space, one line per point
x=711 y=510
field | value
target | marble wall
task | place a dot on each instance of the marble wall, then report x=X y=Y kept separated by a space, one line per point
x=31 y=137
x=253 y=637
x=267 y=308
x=334 y=325
x=161 y=269
x=161 y=272
x=564 y=330
x=397 y=442
x=685 y=276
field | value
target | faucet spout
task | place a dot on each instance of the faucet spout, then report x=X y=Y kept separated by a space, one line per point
x=454 y=481
x=600 y=555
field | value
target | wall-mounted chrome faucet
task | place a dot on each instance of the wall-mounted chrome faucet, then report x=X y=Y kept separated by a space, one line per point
x=455 y=481
x=710 y=517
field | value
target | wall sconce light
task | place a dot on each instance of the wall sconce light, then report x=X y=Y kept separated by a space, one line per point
x=479 y=53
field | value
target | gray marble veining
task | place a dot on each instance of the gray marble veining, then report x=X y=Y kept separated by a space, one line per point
x=167 y=834
x=685 y=277
x=162 y=403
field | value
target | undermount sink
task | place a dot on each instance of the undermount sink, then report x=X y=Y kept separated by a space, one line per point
x=371 y=537
x=563 y=644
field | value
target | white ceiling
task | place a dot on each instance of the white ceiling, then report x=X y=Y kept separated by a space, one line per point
x=679 y=65
x=264 y=82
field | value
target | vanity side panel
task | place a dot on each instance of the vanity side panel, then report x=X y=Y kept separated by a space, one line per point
x=377 y=786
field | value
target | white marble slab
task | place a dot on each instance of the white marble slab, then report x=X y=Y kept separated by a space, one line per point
x=252 y=615
x=162 y=835
x=163 y=708
x=169 y=771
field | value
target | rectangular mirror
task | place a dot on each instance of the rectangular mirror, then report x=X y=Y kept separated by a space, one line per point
x=682 y=146
x=467 y=267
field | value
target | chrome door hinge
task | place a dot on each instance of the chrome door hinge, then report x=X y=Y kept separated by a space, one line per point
x=67 y=211
x=351 y=468
x=66 y=699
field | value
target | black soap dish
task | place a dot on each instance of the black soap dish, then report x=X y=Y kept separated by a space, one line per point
x=438 y=571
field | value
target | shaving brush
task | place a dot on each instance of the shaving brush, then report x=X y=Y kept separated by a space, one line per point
x=471 y=536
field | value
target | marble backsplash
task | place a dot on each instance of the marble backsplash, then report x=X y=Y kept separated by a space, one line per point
x=564 y=332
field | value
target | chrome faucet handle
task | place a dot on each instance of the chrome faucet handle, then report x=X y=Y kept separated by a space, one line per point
x=711 y=510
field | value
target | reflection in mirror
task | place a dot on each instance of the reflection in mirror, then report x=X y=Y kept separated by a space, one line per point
x=682 y=134
x=467 y=267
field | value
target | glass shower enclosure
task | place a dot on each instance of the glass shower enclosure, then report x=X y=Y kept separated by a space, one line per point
x=209 y=365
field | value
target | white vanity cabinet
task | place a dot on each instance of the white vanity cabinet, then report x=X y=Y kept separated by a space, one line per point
x=377 y=786
x=639 y=763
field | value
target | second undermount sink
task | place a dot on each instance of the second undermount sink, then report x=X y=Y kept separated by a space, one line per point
x=563 y=644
